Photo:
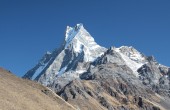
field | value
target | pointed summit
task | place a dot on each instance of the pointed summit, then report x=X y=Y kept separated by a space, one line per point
x=79 y=40
x=72 y=31
x=79 y=47
x=78 y=34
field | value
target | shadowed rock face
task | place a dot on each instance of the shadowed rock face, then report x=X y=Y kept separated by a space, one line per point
x=156 y=77
x=91 y=77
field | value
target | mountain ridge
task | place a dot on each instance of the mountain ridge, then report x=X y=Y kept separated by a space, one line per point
x=80 y=69
x=75 y=45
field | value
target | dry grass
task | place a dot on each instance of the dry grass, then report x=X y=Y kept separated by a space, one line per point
x=20 y=94
x=111 y=100
x=155 y=104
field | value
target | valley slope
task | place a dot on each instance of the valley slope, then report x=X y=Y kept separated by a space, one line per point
x=21 y=94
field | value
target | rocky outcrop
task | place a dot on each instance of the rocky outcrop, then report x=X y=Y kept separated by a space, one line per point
x=156 y=76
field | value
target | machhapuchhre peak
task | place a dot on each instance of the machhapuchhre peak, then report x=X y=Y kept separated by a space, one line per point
x=83 y=75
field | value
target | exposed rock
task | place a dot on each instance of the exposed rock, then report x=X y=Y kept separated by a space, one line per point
x=156 y=76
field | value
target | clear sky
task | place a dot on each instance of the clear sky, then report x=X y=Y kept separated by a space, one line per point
x=29 y=28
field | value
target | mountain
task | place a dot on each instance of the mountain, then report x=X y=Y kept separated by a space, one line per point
x=78 y=48
x=90 y=76
x=21 y=94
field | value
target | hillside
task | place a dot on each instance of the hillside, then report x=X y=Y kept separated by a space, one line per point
x=21 y=94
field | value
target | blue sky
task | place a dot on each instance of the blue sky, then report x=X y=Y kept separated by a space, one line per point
x=29 y=28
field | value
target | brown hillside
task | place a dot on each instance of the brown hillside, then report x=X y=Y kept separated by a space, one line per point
x=20 y=94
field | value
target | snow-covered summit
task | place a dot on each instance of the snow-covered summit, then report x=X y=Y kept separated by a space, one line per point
x=79 y=39
x=71 y=33
x=79 y=47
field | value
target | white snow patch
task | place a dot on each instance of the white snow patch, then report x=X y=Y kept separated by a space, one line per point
x=70 y=75
x=78 y=47
x=38 y=71
x=132 y=53
x=62 y=70
x=71 y=33
x=69 y=39
x=48 y=52
x=94 y=47
x=81 y=71
x=132 y=64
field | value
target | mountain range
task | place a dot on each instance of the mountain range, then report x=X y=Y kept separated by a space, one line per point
x=92 y=77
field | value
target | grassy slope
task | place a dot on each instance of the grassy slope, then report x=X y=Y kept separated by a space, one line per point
x=20 y=94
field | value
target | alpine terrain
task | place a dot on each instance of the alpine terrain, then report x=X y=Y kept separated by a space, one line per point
x=92 y=77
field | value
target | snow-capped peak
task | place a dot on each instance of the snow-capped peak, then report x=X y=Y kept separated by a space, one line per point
x=78 y=39
x=71 y=33
x=132 y=53
x=79 y=47
x=133 y=58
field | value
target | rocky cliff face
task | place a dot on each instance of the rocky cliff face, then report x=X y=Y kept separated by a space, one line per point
x=156 y=76
x=92 y=77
